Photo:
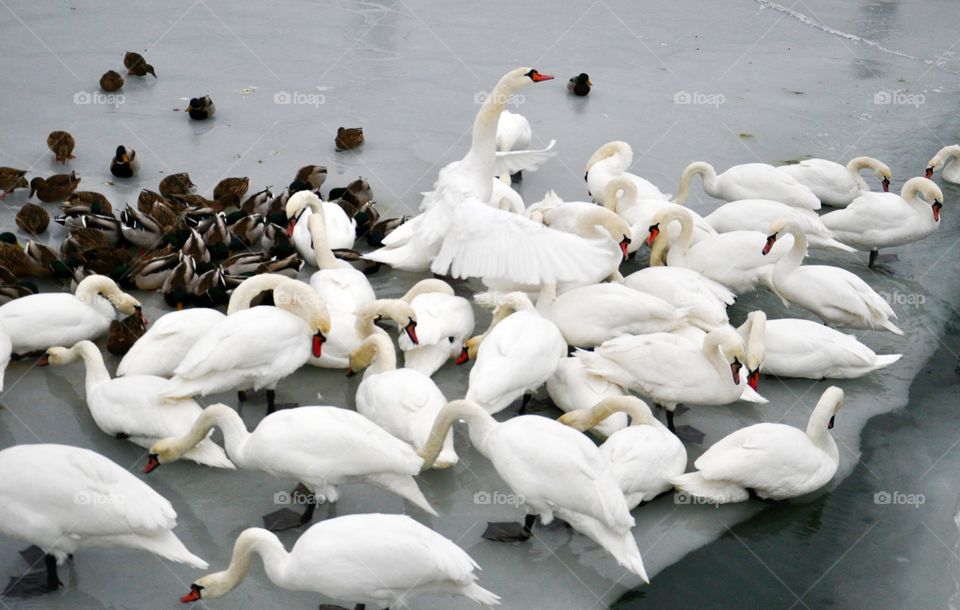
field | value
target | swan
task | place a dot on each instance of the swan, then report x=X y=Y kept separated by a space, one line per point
x=731 y=259
x=705 y=300
x=513 y=132
x=834 y=184
x=884 y=220
x=748 y=181
x=516 y=355
x=571 y=388
x=589 y=315
x=349 y=329
x=945 y=160
x=776 y=461
x=338 y=283
x=444 y=322
x=256 y=347
x=341 y=229
x=644 y=457
x=38 y=321
x=555 y=470
x=611 y=161
x=65 y=498
x=375 y=559
x=403 y=401
x=836 y=295
x=513 y=147
x=757 y=214
x=129 y=408
x=323 y=447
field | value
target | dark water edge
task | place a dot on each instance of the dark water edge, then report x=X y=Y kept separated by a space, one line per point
x=849 y=549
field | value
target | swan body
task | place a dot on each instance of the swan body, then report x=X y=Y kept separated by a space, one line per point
x=705 y=300
x=6 y=348
x=339 y=284
x=513 y=132
x=748 y=181
x=571 y=388
x=444 y=322
x=834 y=184
x=758 y=214
x=341 y=230
x=167 y=341
x=611 y=161
x=946 y=159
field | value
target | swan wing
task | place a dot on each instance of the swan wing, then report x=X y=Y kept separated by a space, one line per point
x=523 y=160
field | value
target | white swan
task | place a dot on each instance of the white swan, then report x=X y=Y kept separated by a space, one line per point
x=130 y=407
x=834 y=184
x=255 y=348
x=611 y=161
x=516 y=355
x=65 y=498
x=748 y=181
x=38 y=321
x=884 y=220
x=572 y=387
x=644 y=457
x=705 y=300
x=341 y=229
x=513 y=131
x=776 y=461
x=554 y=469
x=513 y=146
x=350 y=328
x=836 y=295
x=757 y=214
x=946 y=159
x=444 y=322
x=322 y=447
x=380 y=560
x=339 y=284
x=404 y=402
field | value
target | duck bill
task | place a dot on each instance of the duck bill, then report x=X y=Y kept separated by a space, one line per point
x=769 y=245
x=463 y=357
x=654 y=232
x=317 y=345
x=152 y=462
x=753 y=379
x=936 y=211
x=411 y=329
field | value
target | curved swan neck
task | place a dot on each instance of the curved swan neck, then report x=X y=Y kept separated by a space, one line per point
x=376 y=354
x=620 y=154
x=96 y=371
x=425 y=287
x=243 y=294
x=479 y=423
x=480 y=159
x=713 y=350
x=317 y=225
x=601 y=223
x=615 y=186
x=234 y=431
x=397 y=310
x=707 y=173
x=252 y=541
x=547 y=296
x=818 y=426
x=756 y=325
x=794 y=258
x=857 y=164
x=636 y=409
x=667 y=216
x=95 y=286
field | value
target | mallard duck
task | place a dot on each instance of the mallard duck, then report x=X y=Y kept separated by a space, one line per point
x=210 y=289
x=257 y=203
x=45 y=257
x=357 y=261
x=122 y=334
x=147 y=199
x=15 y=260
x=92 y=251
x=579 y=84
x=74 y=246
x=349 y=137
x=357 y=192
x=12 y=179
x=176 y=288
x=111 y=81
x=137 y=65
x=125 y=163
x=277 y=242
x=245 y=263
x=356 y=201
x=91 y=201
x=230 y=191
x=199 y=201
x=55 y=188
x=176 y=184
x=104 y=223
x=32 y=219
x=309 y=178
x=151 y=271
x=383 y=228
x=217 y=237
x=247 y=229
x=11 y=291
x=61 y=144
x=140 y=229
x=201 y=108
x=195 y=248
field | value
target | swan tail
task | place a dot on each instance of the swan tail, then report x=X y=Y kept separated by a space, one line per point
x=404 y=486
x=885 y=360
x=427 y=359
x=410 y=256
x=713 y=492
x=167 y=545
x=209 y=453
x=887 y=324
x=478 y=594
x=622 y=545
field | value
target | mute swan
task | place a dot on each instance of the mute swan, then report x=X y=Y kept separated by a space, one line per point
x=836 y=295
x=752 y=332
x=705 y=300
x=884 y=220
x=349 y=329
x=129 y=408
x=38 y=321
x=776 y=461
x=513 y=136
x=321 y=446
x=336 y=281
x=65 y=498
x=403 y=401
x=945 y=159
x=444 y=322
x=728 y=258
x=571 y=388
x=515 y=356
x=381 y=560
x=255 y=348
x=748 y=181
x=757 y=214
x=554 y=469
x=341 y=230
x=644 y=456
x=834 y=184
x=611 y=161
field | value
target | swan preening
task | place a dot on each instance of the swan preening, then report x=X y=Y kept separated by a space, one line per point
x=946 y=160
x=834 y=184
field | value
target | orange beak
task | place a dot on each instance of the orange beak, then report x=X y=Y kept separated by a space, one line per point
x=654 y=232
x=463 y=357
x=772 y=239
x=929 y=173
x=753 y=379
x=537 y=77
x=624 y=243
x=936 y=210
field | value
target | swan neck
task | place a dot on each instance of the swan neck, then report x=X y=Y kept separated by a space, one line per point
x=317 y=224
x=235 y=433
x=479 y=423
x=480 y=159
x=383 y=356
x=707 y=173
x=620 y=404
x=243 y=294
x=254 y=541
x=794 y=258
x=547 y=296
x=425 y=287
x=96 y=371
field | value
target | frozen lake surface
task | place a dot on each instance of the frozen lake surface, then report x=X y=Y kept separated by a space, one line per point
x=765 y=82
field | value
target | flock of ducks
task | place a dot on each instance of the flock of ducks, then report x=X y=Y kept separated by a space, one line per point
x=564 y=317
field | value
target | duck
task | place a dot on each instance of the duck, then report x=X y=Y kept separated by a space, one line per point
x=40 y=254
x=775 y=461
x=339 y=284
x=404 y=402
x=611 y=161
x=254 y=348
x=64 y=498
x=89 y=202
x=580 y=488
x=572 y=387
x=201 y=108
x=382 y=228
x=234 y=188
x=748 y=181
x=8 y=292
x=122 y=334
x=350 y=328
x=210 y=289
x=308 y=178
x=444 y=322
x=37 y=322
x=176 y=184
x=129 y=407
x=837 y=296
x=837 y=185
x=645 y=457
x=176 y=285
x=247 y=228
x=349 y=138
x=55 y=188
x=107 y=225
x=17 y=262
x=580 y=85
x=884 y=220
x=705 y=300
x=401 y=559
x=32 y=219
x=137 y=65
x=321 y=446
x=61 y=144
x=11 y=179
x=125 y=163
x=944 y=160
x=111 y=81
x=142 y=229
x=340 y=229
x=757 y=214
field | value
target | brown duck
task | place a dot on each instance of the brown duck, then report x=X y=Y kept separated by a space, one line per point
x=176 y=184
x=230 y=191
x=32 y=219
x=95 y=203
x=15 y=259
x=12 y=179
x=55 y=188
x=137 y=65
x=61 y=144
x=111 y=81
x=349 y=137
x=124 y=333
x=309 y=178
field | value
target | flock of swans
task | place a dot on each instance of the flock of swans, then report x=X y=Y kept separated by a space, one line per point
x=563 y=317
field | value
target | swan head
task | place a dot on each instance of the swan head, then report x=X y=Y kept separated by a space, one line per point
x=666 y=215
x=939 y=160
x=57 y=356
x=105 y=287
x=610 y=149
x=164 y=451
x=755 y=350
x=470 y=349
x=616 y=226
x=881 y=169
x=298 y=202
x=361 y=357
x=777 y=228
x=731 y=346
x=299 y=299
x=613 y=188
x=398 y=310
x=208 y=587
x=930 y=191
x=830 y=403
x=519 y=78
